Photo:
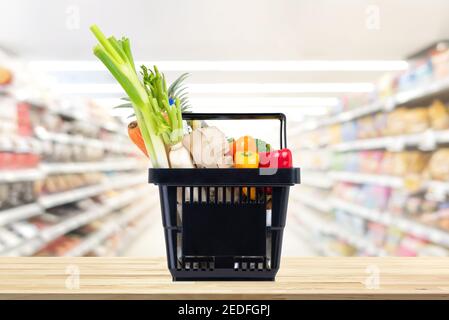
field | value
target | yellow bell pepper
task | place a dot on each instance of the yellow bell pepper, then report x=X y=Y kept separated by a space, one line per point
x=252 y=192
x=246 y=159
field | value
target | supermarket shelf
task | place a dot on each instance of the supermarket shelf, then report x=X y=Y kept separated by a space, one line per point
x=45 y=135
x=329 y=227
x=133 y=234
x=13 y=175
x=432 y=90
x=57 y=199
x=109 y=126
x=438 y=187
x=34 y=209
x=427 y=232
x=92 y=241
x=82 y=167
x=426 y=141
x=19 y=213
x=311 y=201
x=304 y=234
x=31 y=246
x=355 y=177
x=54 y=200
x=316 y=179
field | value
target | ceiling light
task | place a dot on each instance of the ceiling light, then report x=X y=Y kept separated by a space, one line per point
x=224 y=88
x=280 y=87
x=239 y=65
x=266 y=102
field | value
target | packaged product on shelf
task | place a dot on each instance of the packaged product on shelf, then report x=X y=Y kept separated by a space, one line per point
x=377 y=233
x=381 y=124
x=393 y=239
x=396 y=123
x=413 y=205
x=24 y=127
x=440 y=63
x=6 y=76
x=397 y=201
x=333 y=134
x=349 y=132
x=416 y=120
x=409 y=162
x=366 y=127
x=439 y=115
x=409 y=246
x=438 y=165
x=370 y=161
x=17 y=193
x=374 y=197
x=385 y=85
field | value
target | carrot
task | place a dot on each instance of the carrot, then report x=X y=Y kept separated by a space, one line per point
x=136 y=136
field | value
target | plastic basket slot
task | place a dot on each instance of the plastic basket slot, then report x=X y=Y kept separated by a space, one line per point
x=207 y=194
x=240 y=195
x=269 y=237
x=202 y=194
x=197 y=263
x=249 y=264
x=196 y=194
x=219 y=194
x=211 y=195
x=185 y=194
x=216 y=195
x=199 y=193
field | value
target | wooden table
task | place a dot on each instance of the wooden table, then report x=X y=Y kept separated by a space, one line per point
x=299 y=278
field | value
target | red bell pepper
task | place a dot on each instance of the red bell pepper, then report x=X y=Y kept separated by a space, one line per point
x=276 y=159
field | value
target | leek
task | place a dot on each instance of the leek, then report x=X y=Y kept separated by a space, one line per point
x=117 y=57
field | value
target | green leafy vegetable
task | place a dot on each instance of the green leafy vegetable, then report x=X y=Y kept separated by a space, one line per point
x=117 y=57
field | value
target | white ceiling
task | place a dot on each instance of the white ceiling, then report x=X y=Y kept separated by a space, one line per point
x=226 y=30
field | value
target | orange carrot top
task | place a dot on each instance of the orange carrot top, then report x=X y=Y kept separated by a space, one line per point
x=136 y=136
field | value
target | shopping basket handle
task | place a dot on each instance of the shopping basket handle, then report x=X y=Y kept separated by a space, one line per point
x=244 y=116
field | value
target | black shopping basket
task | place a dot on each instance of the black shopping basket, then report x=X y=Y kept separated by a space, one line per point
x=225 y=224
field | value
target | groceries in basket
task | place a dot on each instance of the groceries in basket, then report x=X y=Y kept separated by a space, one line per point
x=159 y=130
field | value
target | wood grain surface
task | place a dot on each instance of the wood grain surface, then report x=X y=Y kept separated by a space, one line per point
x=299 y=278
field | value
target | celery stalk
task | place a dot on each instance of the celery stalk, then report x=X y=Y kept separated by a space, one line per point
x=116 y=56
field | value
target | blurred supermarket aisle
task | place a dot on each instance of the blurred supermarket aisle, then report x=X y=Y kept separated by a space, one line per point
x=376 y=179
x=367 y=110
